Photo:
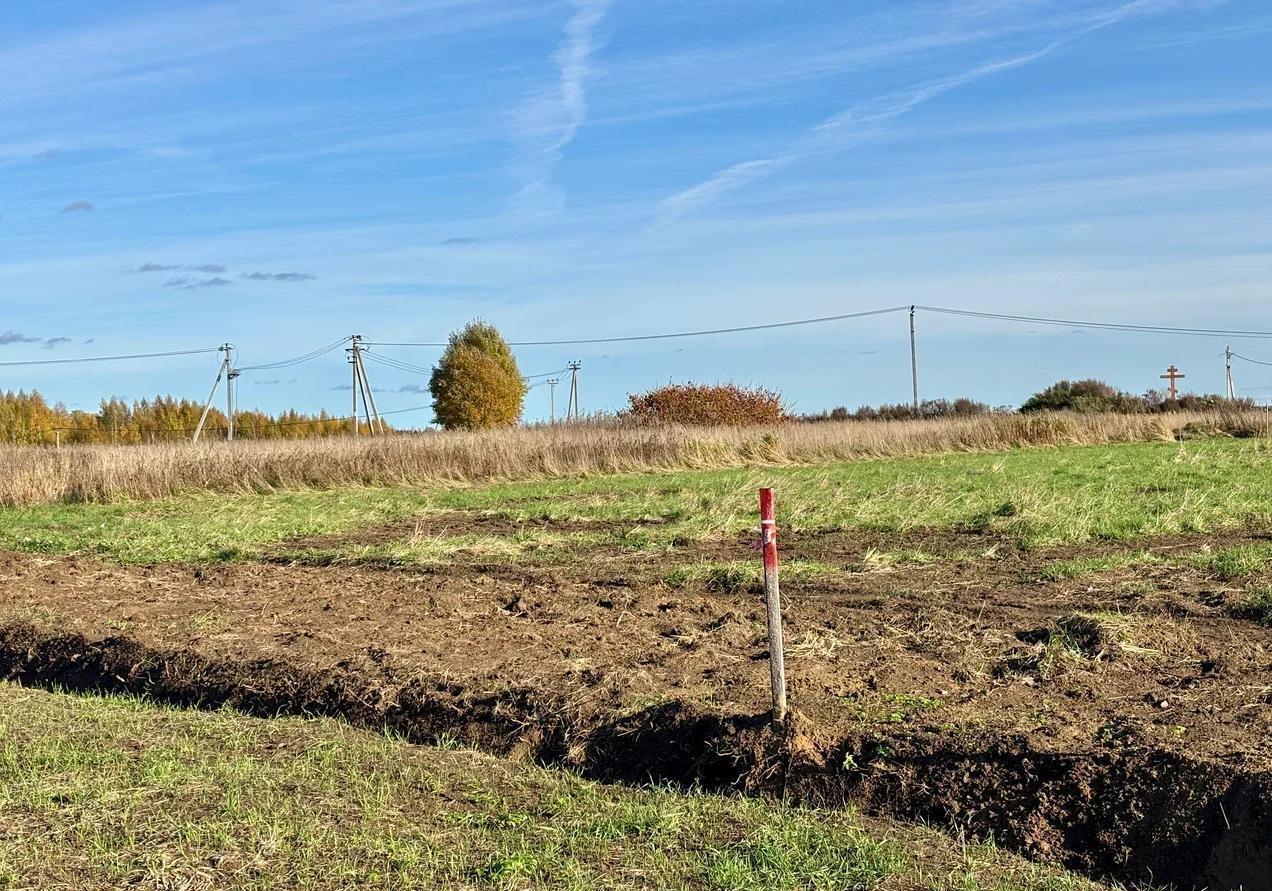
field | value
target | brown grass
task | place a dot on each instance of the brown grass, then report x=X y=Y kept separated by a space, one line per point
x=31 y=475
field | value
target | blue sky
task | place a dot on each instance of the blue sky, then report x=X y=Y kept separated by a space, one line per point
x=306 y=169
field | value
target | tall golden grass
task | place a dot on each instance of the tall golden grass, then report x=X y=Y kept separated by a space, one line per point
x=33 y=475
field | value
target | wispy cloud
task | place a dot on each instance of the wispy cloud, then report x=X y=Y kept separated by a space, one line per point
x=548 y=121
x=190 y=283
x=206 y=268
x=79 y=207
x=9 y=337
x=868 y=119
x=53 y=342
x=278 y=276
x=413 y=388
x=459 y=241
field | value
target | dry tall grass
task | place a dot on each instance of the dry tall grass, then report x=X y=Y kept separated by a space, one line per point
x=31 y=475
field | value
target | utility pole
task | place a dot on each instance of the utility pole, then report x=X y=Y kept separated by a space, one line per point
x=353 y=363
x=231 y=373
x=1227 y=355
x=361 y=383
x=225 y=368
x=552 y=383
x=914 y=365
x=572 y=407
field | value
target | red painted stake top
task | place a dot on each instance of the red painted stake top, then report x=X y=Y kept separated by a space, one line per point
x=768 y=529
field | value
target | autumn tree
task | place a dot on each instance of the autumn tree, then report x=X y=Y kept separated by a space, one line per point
x=476 y=385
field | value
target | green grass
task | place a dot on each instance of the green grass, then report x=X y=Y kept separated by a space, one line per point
x=739 y=577
x=1033 y=496
x=1094 y=564
x=100 y=793
x=1235 y=563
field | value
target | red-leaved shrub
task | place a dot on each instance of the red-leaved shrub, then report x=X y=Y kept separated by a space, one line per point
x=704 y=405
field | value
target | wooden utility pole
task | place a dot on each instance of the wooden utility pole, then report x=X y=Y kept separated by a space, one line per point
x=1173 y=375
x=1227 y=355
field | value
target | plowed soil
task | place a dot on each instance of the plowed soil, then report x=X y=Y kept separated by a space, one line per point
x=1117 y=722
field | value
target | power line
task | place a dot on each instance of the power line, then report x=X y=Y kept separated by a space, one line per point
x=1248 y=359
x=396 y=363
x=1107 y=326
x=109 y=358
x=703 y=333
x=296 y=360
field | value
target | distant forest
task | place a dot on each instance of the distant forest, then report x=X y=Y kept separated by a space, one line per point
x=27 y=419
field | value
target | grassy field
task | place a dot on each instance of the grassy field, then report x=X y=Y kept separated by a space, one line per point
x=33 y=475
x=1031 y=496
x=113 y=792
x=100 y=792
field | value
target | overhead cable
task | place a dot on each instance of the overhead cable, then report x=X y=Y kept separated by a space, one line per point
x=109 y=358
x=1248 y=359
x=702 y=333
x=296 y=360
x=1106 y=326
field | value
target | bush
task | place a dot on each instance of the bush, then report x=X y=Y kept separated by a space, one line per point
x=476 y=385
x=1097 y=396
x=931 y=408
x=719 y=405
x=1084 y=396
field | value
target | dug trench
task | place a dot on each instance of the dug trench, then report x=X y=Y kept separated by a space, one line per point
x=1118 y=730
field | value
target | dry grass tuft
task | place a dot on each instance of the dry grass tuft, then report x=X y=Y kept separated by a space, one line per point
x=34 y=475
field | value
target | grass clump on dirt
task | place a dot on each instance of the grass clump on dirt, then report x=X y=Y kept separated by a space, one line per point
x=1257 y=607
x=743 y=577
x=1235 y=563
x=100 y=793
x=1094 y=564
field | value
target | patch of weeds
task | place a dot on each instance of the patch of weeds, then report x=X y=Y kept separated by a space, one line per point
x=890 y=708
x=1082 y=566
x=1234 y=563
x=1257 y=607
x=742 y=576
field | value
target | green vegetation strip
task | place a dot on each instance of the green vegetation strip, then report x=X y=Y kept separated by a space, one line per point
x=1033 y=496
x=115 y=792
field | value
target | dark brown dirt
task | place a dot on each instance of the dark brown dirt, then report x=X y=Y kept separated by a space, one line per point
x=966 y=692
x=451 y=524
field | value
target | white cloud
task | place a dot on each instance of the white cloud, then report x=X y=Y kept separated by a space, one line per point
x=867 y=119
x=549 y=120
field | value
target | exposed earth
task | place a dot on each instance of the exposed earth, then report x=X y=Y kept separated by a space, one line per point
x=1116 y=720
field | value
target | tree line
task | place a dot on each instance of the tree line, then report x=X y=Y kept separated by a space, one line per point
x=26 y=418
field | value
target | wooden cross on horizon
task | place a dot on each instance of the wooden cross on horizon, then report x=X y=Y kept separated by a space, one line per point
x=1172 y=374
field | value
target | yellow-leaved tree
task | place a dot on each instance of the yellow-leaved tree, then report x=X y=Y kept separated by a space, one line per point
x=476 y=385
